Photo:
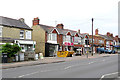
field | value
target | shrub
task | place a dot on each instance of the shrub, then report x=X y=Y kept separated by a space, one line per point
x=11 y=50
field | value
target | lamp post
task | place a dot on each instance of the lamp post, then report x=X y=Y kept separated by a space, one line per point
x=92 y=36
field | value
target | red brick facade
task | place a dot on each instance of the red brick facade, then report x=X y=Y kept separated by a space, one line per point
x=36 y=21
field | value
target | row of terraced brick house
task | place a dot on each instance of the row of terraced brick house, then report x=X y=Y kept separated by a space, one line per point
x=48 y=39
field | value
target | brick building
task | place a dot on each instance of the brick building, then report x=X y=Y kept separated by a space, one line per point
x=51 y=39
x=99 y=40
x=15 y=31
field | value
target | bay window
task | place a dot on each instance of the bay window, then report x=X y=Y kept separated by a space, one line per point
x=52 y=37
x=77 y=39
x=68 y=38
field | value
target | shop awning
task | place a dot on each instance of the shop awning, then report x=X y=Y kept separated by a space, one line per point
x=117 y=46
x=78 y=45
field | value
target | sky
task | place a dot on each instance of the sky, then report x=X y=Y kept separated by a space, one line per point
x=74 y=14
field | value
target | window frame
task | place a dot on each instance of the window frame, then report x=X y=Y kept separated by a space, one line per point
x=22 y=35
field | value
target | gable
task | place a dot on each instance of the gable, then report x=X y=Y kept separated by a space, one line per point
x=69 y=33
x=76 y=35
x=54 y=31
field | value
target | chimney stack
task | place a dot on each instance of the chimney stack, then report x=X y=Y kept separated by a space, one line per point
x=36 y=21
x=108 y=33
x=60 y=26
x=22 y=19
x=116 y=36
x=79 y=31
x=96 y=32
x=111 y=34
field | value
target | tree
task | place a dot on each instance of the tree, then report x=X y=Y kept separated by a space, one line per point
x=11 y=50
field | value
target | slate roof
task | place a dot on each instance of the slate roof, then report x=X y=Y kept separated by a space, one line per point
x=13 y=23
x=61 y=31
x=106 y=37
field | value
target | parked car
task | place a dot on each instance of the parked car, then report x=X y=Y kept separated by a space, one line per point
x=103 y=50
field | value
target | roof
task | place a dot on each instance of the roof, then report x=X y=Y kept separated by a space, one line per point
x=106 y=37
x=61 y=31
x=13 y=23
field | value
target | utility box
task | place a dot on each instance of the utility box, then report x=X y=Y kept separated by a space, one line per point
x=4 y=58
x=21 y=57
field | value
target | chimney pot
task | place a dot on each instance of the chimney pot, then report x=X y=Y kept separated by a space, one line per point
x=60 y=26
x=108 y=33
x=22 y=19
x=79 y=31
x=96 y=32
x=36 y=21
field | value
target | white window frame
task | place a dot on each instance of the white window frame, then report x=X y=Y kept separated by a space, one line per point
x=52 y=37
x=21 y=35
x=68 y=38
x=77 y=39
x=0 y=31
x=28 y=35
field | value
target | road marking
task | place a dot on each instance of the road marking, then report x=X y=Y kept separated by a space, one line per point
x=28 y=74
x=46 y=70
x=68 y=67
x=103 y=60
x=91 y=62
x=108 y=75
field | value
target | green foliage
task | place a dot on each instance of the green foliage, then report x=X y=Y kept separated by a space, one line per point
x=10 y=49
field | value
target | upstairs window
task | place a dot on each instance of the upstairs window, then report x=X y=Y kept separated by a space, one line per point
x=52 y=37
x=21 y=34
x=68 y=38
x=77 y=39
x=0 y=31
x=28 y=34
x=86 y=42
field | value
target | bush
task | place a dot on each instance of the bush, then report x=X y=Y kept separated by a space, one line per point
x=11 y=50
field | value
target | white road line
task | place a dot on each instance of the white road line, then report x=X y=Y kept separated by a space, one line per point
x=103 y=60
x=108 y=75
x=28 y=74
x=91 y=62
x=68 y=67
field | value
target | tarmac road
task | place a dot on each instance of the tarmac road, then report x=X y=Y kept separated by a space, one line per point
x=86 y=68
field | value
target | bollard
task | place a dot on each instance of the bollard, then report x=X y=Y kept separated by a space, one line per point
x=41 y=56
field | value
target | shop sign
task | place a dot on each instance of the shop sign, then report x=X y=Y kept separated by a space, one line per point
x=68 y=44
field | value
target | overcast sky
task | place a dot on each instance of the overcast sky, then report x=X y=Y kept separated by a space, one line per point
x=74 y=14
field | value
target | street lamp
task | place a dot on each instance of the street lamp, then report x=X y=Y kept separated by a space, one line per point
x=92 y=36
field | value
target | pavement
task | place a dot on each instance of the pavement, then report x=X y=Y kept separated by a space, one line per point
x=48 y=60
x=98 y=66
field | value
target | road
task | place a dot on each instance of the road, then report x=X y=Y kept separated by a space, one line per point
x=86 y=68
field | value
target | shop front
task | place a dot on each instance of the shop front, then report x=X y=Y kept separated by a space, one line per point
x=67 y=46
x=78 y=47
x=51 y=49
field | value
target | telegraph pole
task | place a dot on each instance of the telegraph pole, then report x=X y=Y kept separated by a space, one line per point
x=92 y=36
